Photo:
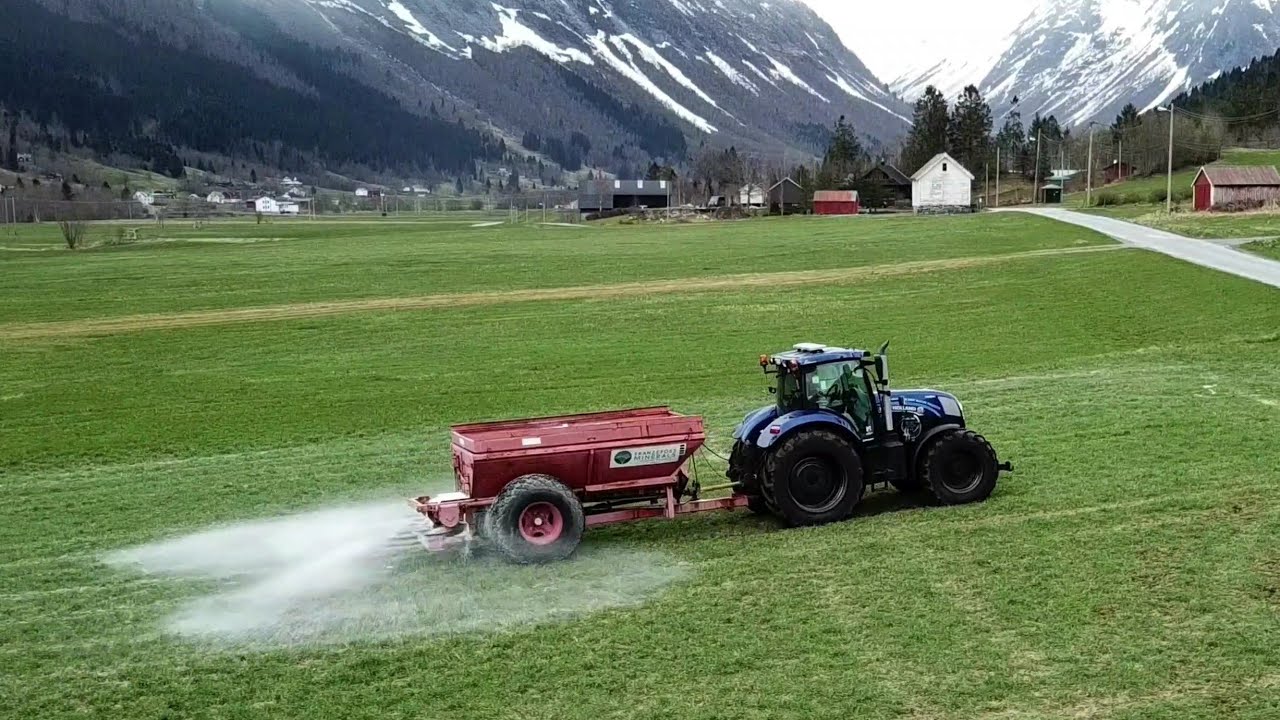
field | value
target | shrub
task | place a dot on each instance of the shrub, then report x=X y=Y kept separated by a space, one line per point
x=73 y=233
x=1158 y=196
x=1106 y=199
x=477 y=204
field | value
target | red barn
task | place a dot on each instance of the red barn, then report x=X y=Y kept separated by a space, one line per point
x=835 y=202
x=1116 y=172
x=1236 y=188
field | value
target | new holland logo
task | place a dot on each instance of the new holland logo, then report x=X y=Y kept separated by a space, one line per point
x=653 y=455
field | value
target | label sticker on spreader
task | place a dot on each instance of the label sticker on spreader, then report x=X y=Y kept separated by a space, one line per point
x=653 y=455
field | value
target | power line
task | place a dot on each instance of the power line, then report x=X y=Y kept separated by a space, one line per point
x=1229 y=119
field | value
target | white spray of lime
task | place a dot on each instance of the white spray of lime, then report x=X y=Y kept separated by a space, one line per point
x=356 y=573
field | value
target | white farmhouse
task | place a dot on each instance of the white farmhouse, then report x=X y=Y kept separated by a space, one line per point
x=266 y=206
x=362 y=192
x=751 y=196
x=942 y=186
x=287 y=207
x=142 y=197
x=217 y=197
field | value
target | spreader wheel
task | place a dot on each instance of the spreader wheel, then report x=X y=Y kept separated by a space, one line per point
x=815 y=477
x=960 y=467
x=535 y=519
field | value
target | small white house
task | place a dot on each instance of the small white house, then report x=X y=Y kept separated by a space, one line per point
x=751 y=196
x=291 y=182
x=287 y=207
x=266 y=206
x=217 y=197
x=362 y=192
x=142 y=197
x=942 y=186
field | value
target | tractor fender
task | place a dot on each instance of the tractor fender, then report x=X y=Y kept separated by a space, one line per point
x=926 y=439
x=751 y=424
x=780 y=428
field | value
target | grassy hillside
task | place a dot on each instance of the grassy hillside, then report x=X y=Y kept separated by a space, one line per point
x=1149 y=190
x=1130 y=568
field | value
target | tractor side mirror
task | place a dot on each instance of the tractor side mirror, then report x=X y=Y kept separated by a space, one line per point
x=882 y=369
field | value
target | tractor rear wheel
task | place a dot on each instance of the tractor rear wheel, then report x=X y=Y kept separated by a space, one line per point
x=813 y=478
x=535 y=519
x=960 y=467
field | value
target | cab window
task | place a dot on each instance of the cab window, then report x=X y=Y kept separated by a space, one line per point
x=842 y=388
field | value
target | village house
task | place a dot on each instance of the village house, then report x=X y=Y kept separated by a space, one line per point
x=285 y=206
x=142 y=197
x=217 y=197
x=942 y=186
x=751 y=196
x=362 y=192
x=1235 y=188
x=266 y=206
x=289 y=182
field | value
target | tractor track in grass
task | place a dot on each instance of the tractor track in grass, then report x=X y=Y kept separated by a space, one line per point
x=302 y=311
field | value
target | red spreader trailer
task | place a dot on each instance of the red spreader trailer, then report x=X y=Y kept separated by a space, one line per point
x=531 y=487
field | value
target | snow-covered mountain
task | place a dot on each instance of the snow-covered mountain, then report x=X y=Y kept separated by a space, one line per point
x=950 y=76
x=767 y=73
x=609 y=84
x=1085 y=59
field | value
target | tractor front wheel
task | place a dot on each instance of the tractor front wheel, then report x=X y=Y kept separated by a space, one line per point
x=813 y=478
x=960 y=467
x=535 y=519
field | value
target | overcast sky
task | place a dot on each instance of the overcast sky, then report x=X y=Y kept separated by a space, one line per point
x=888 y=35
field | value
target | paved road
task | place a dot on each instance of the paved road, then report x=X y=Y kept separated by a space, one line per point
x=1200 y=252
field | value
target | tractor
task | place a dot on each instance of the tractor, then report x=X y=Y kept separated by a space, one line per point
x=836 y=429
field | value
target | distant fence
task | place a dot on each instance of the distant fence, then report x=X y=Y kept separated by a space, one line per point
x=526 y=206
x=17 y=209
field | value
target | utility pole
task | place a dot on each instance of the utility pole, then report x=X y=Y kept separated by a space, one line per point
x=1035 y=190
x=997 y=174
x=1168 y=200
x=1088 y=193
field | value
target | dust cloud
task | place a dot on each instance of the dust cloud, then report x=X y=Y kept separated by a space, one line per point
x=356 y=574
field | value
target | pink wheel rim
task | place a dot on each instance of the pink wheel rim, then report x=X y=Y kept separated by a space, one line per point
x=541 y=523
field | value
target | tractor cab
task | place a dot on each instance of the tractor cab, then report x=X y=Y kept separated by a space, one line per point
x=836 y=427
x=816 y=378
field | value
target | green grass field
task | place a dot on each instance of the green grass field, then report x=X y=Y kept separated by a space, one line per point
x=1129 y=569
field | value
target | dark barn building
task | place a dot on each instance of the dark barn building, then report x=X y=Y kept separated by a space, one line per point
x=786 y=197
x=895 y=186
x=623 y=195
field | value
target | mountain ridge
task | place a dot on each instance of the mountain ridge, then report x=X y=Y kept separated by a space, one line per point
x=1083 y=60
x=608 y=85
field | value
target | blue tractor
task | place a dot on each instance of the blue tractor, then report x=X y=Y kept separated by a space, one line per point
x=836 y=429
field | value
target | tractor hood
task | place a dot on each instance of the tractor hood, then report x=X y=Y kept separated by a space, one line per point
x=931 y=404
